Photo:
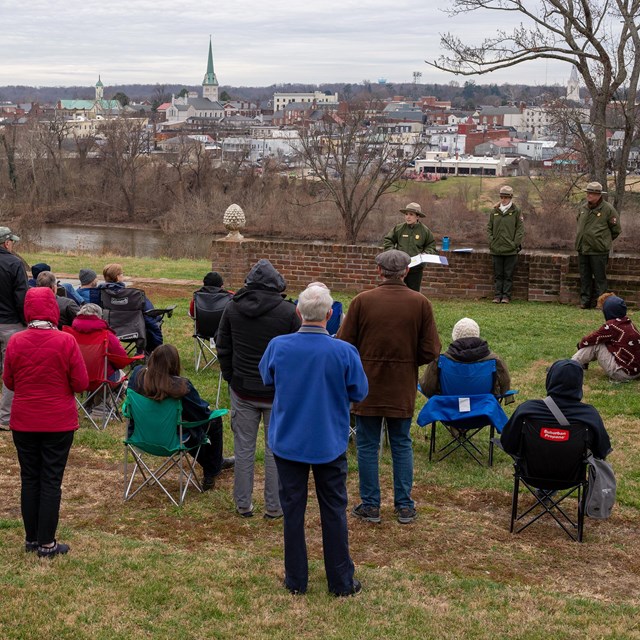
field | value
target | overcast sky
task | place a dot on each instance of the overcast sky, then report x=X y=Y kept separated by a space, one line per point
x=50 y=42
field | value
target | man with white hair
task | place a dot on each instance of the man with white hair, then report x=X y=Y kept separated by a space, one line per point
x=315 y=379
x=13 y=288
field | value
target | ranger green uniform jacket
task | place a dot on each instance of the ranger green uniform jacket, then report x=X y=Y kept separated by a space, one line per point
x=506 y=231
x=412 y=240
x=597 y=228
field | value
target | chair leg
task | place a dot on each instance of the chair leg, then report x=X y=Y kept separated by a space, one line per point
x=432 y=444
x=491 y=436
x=514 y=501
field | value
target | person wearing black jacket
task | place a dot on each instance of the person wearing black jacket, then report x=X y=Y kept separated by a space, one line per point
x=257 y=313
x=13 y=288
x=564 y=385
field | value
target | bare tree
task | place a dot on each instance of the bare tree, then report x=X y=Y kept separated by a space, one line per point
x=121 y=154
x=599 y=37
x=356 y=161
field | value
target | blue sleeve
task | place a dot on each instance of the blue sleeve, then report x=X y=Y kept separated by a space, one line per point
x=357 y=383
x=194 y=408
x=154 y=332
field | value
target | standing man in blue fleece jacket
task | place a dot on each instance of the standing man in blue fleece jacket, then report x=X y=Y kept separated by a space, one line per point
x=315 y=379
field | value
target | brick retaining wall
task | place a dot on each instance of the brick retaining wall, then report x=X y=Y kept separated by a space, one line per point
x=540 y=276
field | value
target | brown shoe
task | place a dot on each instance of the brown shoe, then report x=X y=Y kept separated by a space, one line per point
x=505 y=301
x=496 y=300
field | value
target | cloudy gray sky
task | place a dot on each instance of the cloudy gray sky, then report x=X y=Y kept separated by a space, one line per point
x=50 y=42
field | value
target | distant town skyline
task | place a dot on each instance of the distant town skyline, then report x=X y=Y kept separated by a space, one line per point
x=254 y=44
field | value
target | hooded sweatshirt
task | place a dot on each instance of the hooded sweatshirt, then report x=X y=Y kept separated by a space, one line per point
x=619 y=335
x=257 y=313
x=564 y=385
x=44 y=368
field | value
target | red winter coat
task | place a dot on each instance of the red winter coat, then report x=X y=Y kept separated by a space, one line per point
x=89 y=324
x=44 y=367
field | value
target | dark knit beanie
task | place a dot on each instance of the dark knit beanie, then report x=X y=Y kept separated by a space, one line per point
x=37 y=269
x=87 y=276
x=212 y=279
x=614 y=307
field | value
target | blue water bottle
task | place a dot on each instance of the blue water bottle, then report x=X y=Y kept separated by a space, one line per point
x=445 y=243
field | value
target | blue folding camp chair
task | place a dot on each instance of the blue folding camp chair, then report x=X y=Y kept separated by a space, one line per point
x=465 y=406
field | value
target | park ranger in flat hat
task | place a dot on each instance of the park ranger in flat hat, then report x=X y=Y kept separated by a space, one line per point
x=412 y=237
x=598 y=227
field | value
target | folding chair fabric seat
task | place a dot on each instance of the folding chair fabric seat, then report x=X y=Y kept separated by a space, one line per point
x=94 y=349
x=552 y=457
x=207 y=312
x=160 y=433
x=467 y=404
x=124 y=313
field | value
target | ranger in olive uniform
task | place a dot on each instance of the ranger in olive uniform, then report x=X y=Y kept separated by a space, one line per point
x=598 y=227
x=506 y=231
x=413 y=238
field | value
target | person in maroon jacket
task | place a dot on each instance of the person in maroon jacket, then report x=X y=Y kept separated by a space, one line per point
x=44 y=368
x=615 y=345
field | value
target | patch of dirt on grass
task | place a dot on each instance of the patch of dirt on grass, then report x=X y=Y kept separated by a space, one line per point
x=459 y=532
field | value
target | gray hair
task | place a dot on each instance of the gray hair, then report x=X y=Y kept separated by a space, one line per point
x=46 y=279
x=315 y=302
x=90 y=309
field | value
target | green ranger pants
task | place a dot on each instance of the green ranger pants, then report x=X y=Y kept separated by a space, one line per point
x=413 y=279
x=503 y=268
x=593 y=277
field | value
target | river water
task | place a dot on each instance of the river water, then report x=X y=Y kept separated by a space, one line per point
x=123 y=241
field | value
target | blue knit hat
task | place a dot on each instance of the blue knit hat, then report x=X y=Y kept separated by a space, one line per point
x=614 y=307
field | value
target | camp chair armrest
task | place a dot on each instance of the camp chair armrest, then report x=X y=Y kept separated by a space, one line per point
x=156 y=313
x=511 y=392
x=122 y=361
x=214 y=414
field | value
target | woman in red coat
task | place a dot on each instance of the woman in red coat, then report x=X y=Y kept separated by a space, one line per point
x=44 y=368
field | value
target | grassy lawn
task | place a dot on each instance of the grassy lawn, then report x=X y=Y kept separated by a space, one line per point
x=145 y=569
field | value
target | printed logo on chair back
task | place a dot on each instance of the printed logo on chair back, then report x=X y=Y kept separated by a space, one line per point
x=120 y=302
x=554 y=434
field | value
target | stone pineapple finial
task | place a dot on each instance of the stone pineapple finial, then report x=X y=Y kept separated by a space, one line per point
x=234 y=220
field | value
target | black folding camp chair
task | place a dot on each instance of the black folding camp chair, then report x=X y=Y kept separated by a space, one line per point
x=552 y=465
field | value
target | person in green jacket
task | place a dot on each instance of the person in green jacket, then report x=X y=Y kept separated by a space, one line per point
x=598 y=227
x=412 y=237
x=506 y=231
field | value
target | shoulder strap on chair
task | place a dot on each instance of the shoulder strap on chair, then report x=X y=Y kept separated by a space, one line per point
x=555 y=409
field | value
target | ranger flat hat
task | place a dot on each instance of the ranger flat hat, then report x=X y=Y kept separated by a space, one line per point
x=594 y=187
x=393 y=260
x=413 y=207
x=506 y=190
x=5 y=234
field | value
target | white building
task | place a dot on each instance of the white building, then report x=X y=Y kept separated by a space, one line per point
x=281 y=100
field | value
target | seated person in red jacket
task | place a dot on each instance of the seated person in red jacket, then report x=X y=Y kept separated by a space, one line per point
x=161 y=379
x=467 y=346
x=615 y=345
x=88 y=320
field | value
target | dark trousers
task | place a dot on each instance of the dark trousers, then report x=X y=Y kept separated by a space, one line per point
x=331 y=491
x=413 y=279
x=593 y=274
x=210 y=455
x=43 y=458
x=503 y=268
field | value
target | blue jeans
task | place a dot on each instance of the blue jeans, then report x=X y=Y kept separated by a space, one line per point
x=368 y=430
